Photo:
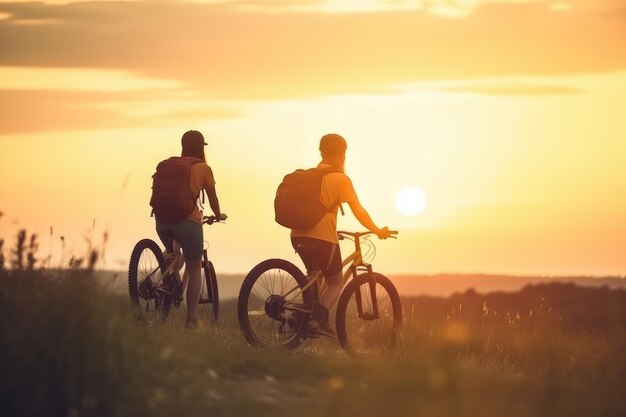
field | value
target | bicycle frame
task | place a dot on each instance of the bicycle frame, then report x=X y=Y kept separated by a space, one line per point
x=179 y=261
x=175 y=266
x=355 y=262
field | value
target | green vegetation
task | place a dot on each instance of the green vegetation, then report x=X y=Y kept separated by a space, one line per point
x=69 y=347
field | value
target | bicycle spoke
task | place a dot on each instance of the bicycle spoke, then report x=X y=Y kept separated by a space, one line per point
x=265 y=285
x=260 y=299
x=266 y=329
x=270 y=283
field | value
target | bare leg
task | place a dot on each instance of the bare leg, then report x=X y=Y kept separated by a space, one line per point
x=175 y=260
x=330 y=295
x=193 y=287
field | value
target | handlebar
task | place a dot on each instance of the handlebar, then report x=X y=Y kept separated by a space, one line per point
x=342 y=234
x=213 y=219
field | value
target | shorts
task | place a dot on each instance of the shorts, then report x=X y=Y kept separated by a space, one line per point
x=320 y=255
x=188 y=233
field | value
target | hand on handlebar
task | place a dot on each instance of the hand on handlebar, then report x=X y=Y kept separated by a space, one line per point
x=385 y=233
x=212 y=219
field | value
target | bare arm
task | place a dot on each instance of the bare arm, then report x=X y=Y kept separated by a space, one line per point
x=364 y=218
x=214 y=202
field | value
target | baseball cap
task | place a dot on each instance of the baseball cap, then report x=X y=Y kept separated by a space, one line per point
x=193 y=140
x=333 y=144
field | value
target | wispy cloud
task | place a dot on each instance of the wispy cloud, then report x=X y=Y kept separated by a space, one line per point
x=72 y=79
x=226 y=53
x=99 y=64
x=54 y=110
x=443 y=8
x=519 y=89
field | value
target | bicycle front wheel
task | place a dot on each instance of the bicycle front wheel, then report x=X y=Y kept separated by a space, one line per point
x=209 y=302
x=145 y=283
x=264 y=309
x=369 y=314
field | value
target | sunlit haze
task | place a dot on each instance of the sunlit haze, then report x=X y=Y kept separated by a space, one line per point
x=507 y=117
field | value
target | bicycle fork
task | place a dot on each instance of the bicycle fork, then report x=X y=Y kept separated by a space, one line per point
x=363 y=299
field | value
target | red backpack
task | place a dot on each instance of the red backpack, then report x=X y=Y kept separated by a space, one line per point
x=172 y=200
x=297 y=204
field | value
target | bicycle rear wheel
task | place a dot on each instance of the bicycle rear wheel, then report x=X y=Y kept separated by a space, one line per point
x=264 y=312
x=145 y=283
x=209 y=302
x=369 y=314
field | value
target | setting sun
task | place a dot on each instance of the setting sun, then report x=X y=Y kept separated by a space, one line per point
x=410 y=201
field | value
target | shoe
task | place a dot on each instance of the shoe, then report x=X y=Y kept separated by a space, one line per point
x=315 y=329
x=192 y=324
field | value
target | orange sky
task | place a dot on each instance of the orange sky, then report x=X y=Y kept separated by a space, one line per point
x=509 y=115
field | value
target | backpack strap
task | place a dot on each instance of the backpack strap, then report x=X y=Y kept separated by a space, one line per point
x=201 y=199
x=335 y=204
x=331 y=170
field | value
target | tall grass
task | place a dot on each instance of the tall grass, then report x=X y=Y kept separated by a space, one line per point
x=68 y=347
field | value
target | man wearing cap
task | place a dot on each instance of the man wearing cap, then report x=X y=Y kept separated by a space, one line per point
x=336 y=188
x=189 y=231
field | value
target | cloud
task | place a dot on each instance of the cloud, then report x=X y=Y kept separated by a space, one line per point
x=444 y=8
x=70 y=79
x=519 y=89
x=29 y=111
x=112 y=64
x=232 y=54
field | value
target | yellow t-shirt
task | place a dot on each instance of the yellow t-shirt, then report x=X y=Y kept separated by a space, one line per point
x=336 y=188
x=201 y=178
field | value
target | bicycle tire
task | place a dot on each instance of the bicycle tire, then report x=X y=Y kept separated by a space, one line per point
x=209 y=294
x=138 y=269
x=254 y=335
x=358 y=335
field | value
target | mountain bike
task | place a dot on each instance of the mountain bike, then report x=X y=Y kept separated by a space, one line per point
x=276 y=301
x=155 y=285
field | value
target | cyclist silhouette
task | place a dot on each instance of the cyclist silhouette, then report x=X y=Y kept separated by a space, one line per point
x=188 y=232
x=319 y=247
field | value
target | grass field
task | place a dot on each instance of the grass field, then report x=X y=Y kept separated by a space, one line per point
x=71 y=348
